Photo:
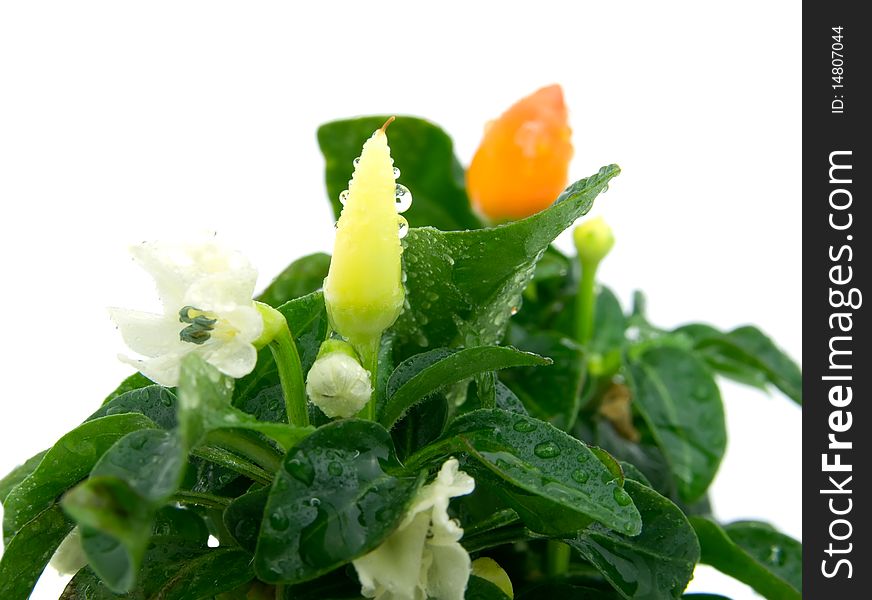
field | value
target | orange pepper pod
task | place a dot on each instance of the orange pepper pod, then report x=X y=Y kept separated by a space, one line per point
x=522 y=163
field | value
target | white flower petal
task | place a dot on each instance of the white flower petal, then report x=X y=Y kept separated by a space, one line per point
x=147 y=333
x=449 y=483
x=221 y=292
x=163 y=370
x=439 y=565
x=234 y=358
x=392 y=571
x=170 y=267
x=245 y=320
x=448 y=571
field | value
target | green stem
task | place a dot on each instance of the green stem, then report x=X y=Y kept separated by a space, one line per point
x=498 y=537
x=585 y=303
x=234 y=462
x=284 y=351
x=200 y=499
x=248 y=446
x=501 y=518
x=368 y=351
x=557 y=556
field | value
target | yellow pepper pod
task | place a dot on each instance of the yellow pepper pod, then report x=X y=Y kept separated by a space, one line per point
x=363 y=289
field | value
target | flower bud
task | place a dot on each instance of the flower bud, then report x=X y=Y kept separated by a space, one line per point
x=593 y=241
x=522 y=164
x=337 y=383
x=363 y=290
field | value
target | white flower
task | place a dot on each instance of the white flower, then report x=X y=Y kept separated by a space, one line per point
x=338 y=384
x=206 y=292
x=423 y=557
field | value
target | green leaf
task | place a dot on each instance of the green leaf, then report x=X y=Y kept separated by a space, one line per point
x=243 y=517
x=730 y=558
x=549 y=394
x=117 y=505
x=303 y=276
x=423 y=374
x=19 y=474
x=680 y=403
x=64 y=465
x=463 y=286
x=29 y=551
x=155 y=402
x=776 y=551
x=333 y=500
x=658 y=563
x=133 y=382
x=482 y=589
x=747 y=355
x=217 y=571
x=422 y=424
x=543 y=464
x=204 y=405
x=423 y=153
x=165 y=556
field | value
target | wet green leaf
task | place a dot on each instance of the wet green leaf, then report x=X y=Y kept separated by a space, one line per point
x=334 y=500
x=679 y=401
x=116 y=506
x=243 y=517
x=29 y=551
x=163 y=559
x=776 y=551
x=216 y=571
x=546 y=471
x=423 y=153
x=19 y=474
x=64 y=465
x=754 y=567
x=423 y=374
x=155 y=402
x=657 y=563
x=205 y=405
x=133 y=382
x=463 y=286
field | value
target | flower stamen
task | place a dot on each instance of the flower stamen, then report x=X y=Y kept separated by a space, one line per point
x=200 y=327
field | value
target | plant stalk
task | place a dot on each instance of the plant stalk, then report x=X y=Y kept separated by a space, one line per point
x=585 y=303
x=284 y=351
x=368 y=351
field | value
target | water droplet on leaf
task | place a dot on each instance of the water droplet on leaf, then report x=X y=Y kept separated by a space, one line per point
x=524 y=426
x=546 y=450
x=580 y=476
x=622 y=497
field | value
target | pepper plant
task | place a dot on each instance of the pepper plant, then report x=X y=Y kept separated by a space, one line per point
x=455 y=409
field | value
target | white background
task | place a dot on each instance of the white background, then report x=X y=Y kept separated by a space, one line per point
x=121 y=122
